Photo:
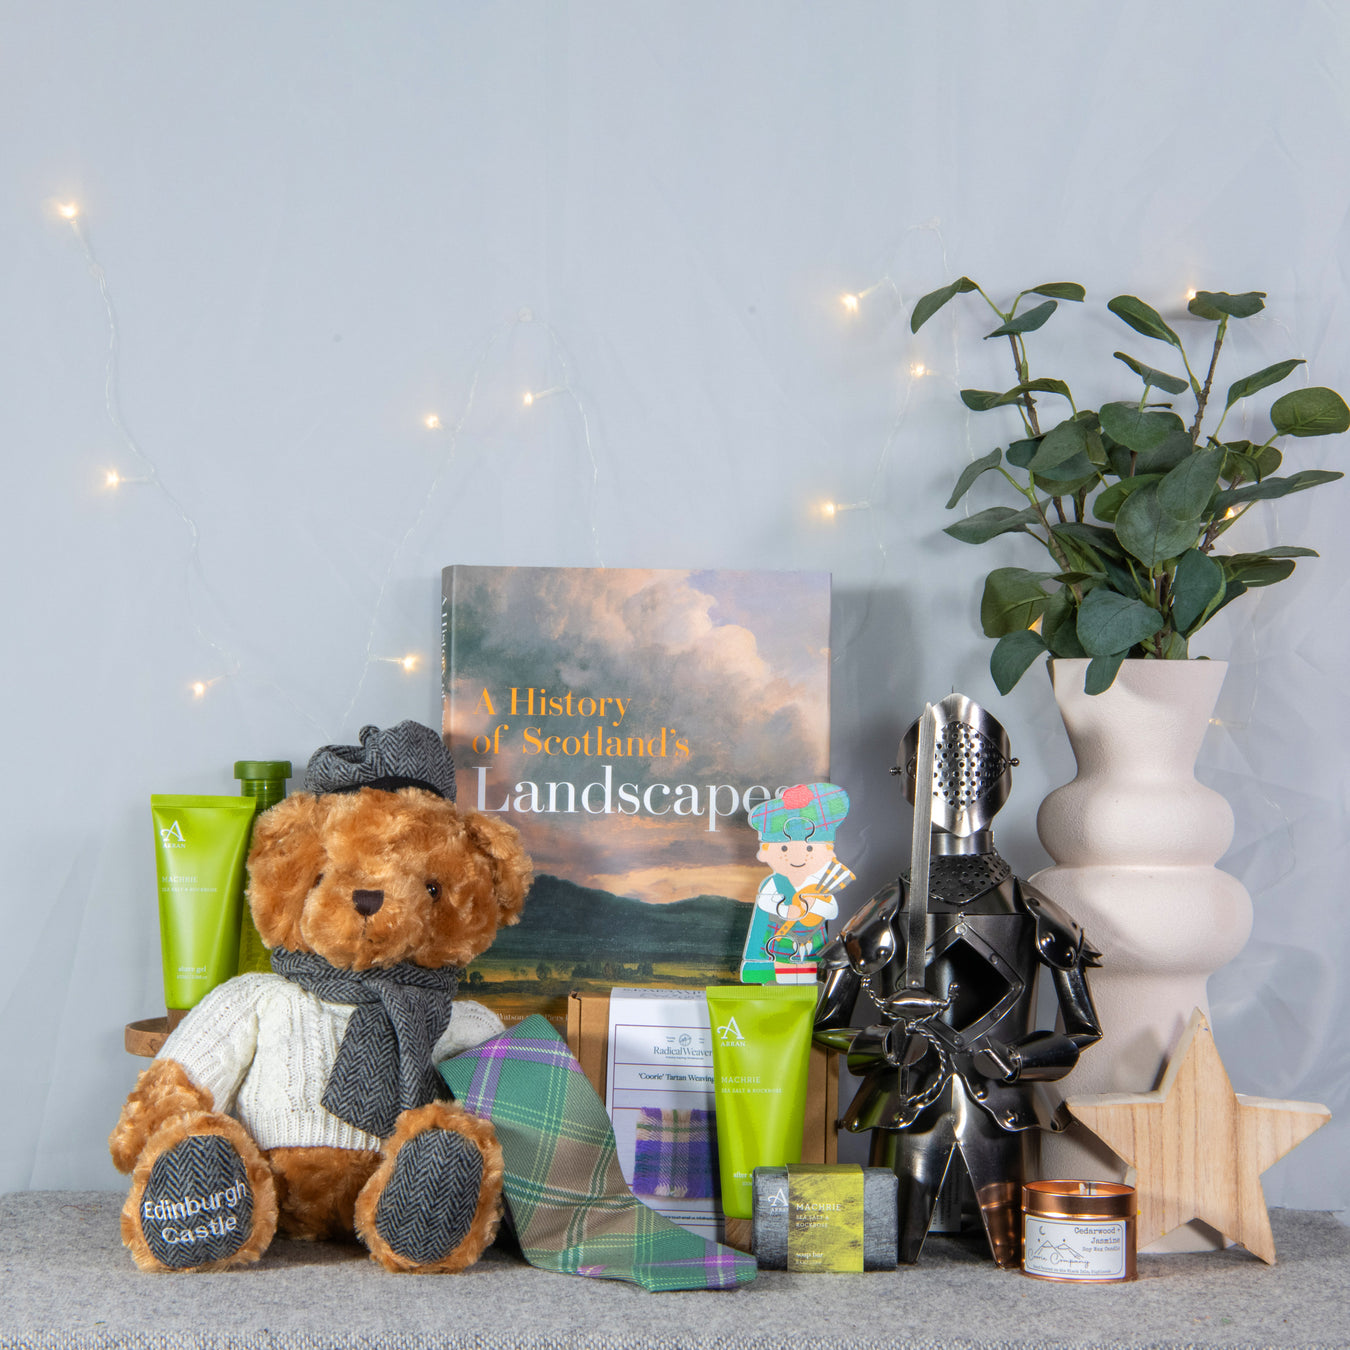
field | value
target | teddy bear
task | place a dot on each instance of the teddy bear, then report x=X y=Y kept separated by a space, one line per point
x=305 y=1101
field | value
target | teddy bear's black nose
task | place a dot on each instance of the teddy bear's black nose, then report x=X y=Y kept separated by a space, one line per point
x=367 y=902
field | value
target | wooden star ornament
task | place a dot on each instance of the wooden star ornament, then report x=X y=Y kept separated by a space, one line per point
x=1196 y=1148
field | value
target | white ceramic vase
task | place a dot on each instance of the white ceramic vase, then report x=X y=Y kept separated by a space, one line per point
x=1135 y=839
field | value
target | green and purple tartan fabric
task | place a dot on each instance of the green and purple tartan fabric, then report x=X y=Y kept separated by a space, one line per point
x=572 y=1209
x=674 y=1155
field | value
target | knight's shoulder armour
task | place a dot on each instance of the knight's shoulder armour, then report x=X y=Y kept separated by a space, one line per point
x=1059 y=940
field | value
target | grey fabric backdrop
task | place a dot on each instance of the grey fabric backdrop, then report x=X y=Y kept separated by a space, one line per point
x=305 y=229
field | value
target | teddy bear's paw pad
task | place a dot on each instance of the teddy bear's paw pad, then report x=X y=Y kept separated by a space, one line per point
x=197 y=1206
x=428 y=1205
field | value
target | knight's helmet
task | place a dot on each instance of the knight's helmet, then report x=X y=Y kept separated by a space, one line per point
x=972 y=771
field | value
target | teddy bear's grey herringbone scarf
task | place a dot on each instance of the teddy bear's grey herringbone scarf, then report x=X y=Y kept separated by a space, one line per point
x=384 y=1063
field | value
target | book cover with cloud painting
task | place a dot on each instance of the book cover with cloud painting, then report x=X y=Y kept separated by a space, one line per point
x=625 y=720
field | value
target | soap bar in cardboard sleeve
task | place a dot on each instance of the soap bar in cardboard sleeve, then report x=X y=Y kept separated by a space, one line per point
x=832 y=1218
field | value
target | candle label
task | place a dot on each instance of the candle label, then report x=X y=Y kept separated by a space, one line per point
x=1069 y=1249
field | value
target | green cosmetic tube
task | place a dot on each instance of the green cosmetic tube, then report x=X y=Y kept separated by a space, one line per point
x=761 y=1054
x=200 y=847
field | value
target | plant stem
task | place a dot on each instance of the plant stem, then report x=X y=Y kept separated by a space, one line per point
x=1203 y=397
x=1023 y=374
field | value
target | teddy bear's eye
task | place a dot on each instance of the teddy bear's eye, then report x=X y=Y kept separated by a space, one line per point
x=434 y=889
x=317 y=879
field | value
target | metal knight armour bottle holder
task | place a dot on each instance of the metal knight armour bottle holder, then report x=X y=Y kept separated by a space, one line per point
x=948 y=957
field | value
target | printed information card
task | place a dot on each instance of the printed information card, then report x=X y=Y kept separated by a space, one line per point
x=659 y=1095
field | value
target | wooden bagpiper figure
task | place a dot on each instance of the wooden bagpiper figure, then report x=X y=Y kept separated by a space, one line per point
x=797 y=898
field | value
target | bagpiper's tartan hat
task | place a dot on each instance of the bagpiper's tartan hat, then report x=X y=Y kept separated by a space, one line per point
x=807 y=811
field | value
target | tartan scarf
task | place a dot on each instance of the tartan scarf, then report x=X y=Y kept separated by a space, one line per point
x=572 y=1209
x=383 y=1065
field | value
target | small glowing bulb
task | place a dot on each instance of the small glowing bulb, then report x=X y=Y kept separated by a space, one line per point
x=68 y=210
x=1190 y=295
x=850 y=303
x=112 y=478
x=830 y=509
x=1230 y=513
x=529 y=399
x=409 y=662
x=199 y=689
x=918 y=370
x=431 y=422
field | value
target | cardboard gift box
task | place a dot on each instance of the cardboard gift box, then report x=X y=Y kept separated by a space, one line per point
x=587 y=1036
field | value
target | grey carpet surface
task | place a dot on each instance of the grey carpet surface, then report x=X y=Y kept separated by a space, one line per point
x=66 y=1281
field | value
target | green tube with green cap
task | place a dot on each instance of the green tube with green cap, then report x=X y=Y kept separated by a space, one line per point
x=265 y=781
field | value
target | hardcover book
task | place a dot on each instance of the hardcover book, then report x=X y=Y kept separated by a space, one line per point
x=625 y=720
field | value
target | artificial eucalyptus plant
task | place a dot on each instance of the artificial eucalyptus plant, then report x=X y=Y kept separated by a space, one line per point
x=1130 y=501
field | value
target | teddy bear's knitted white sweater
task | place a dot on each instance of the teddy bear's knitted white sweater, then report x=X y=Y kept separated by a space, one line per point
x=263 y=1047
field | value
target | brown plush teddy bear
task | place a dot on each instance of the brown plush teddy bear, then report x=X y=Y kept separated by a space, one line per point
x=306 y=1100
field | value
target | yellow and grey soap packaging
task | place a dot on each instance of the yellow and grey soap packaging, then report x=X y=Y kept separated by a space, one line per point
x=831 y=1218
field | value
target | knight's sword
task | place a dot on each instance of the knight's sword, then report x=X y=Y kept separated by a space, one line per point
x=916 y=933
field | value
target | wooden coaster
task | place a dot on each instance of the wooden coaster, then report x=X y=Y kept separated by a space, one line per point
x=145 y=1038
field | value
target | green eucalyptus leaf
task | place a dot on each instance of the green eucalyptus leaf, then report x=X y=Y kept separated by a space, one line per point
x=971 y=472
x=1142 y=318
x=1252 y=462
x=1185 y=491
x=1044 y=385
x=1217 y=304
x=1310 y=412
x=981 y=400
x=1109 y=622
x=986 y=525
x=1057 y=624
x=1121 y=462
x=1198 y=587
x=1139 y=431
x=1076 y=435
x=1101 y=673
x=1059 y=290
x=1235 y=589
x=1013 y=599
x=1281 y=551
x=1166 y=456
x=1258 y=569
x=1102 y=542
x=1251 y=384
x=1012 y=654
x=1149 y=531
x=929 y=304
x=1064 y=480
x=1107 y=503
x=1270 y=488
x=1021 y=453
x=1160 y=379
x=1080 y=556
x=1025 y=323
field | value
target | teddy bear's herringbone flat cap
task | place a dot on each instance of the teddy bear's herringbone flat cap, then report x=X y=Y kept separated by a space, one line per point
x=407 y=755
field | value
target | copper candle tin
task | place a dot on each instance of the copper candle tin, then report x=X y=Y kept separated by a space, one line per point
x=1079 y=1230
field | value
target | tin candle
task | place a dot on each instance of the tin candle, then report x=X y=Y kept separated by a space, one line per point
x=1079 y=1230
